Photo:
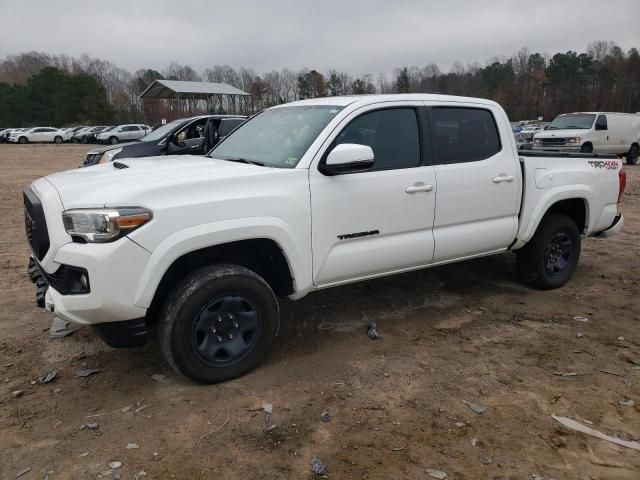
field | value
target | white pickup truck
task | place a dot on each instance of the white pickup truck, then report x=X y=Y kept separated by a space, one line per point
x=304 y=196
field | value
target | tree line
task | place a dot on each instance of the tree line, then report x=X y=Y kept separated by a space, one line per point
x=38 y=89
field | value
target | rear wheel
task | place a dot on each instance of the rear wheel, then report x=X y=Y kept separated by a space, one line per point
x=218 y=324
x=58 y=140
x=23 y=140
x=551 y=256
x=113 y=140
x=586 y=148
x=632 y=154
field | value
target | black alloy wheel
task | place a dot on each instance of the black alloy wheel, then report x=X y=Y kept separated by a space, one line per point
x=558 y=253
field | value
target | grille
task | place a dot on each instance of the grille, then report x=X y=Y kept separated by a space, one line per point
x=92 y=159
x=554 y=141
x=35 y=224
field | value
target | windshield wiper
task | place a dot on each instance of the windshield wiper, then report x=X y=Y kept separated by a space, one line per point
x=242 y=160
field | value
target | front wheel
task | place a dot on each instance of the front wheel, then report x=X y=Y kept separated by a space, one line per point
x=586 y=148
x=58 y=140
x=23 y=140
x=551 y=256
x=632 y=155
x=218 y=324
x=113 y=140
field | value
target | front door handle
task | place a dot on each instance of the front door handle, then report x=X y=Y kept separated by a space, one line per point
x=503 y=178
x=418 y=188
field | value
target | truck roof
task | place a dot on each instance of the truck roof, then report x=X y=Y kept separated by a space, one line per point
x=369 y=99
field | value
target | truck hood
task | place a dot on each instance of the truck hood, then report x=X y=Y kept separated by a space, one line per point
x=145 y=179
x=565 y=133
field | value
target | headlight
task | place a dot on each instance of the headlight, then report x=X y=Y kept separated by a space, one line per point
x=109 y=154
x=574 y=140
x=104 y=225
x=537 y=141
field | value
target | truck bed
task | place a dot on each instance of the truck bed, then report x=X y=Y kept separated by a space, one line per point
x=551 y=153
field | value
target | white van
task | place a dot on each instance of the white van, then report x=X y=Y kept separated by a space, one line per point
x=592 y=132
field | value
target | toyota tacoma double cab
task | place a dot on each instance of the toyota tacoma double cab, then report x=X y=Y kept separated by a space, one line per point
x=301 y=197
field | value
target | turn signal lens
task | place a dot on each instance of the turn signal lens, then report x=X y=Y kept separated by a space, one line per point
x=133 y=221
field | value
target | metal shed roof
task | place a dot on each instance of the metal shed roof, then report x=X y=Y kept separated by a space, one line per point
x=173 y=88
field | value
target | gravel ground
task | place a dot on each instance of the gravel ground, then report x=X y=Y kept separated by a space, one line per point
x=467 y=332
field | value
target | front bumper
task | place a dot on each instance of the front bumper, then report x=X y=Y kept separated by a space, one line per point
x=113 y=271
x=557 y=148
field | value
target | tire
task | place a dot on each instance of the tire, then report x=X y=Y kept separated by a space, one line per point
x=218 y=323
x=632 y=154
x=586 y=148
x=550 y=258
x=113 y=140
x=57 y=140
x=41 y=292
x=23 y=140
x=32 y=270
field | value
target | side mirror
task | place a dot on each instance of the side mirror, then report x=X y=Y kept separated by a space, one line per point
x=348 y=158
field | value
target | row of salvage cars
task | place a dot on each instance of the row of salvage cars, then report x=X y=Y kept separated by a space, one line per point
x=92 y=134
x=186 y=136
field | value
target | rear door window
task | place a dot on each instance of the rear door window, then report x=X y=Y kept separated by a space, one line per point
x=464 y=134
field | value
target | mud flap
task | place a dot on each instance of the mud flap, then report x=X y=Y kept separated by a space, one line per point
x=127 y=334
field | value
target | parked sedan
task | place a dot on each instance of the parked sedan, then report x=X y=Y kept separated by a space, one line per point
x=123 y=133
x=76 y=136
x=183 y=136
x=72 y=130
x=88 y=135
x=39 y=135
x=5 y=134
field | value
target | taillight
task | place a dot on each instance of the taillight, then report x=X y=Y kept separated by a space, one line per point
x=622 y=178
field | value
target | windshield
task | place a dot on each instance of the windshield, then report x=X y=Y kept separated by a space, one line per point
x=277 y=137
x=579 y=121
x=162 y=131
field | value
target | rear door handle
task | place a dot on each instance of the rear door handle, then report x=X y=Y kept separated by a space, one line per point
x=503 y=178
x=418 y=188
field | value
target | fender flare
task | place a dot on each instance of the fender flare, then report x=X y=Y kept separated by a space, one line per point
x=206 y=235
x=529 y=224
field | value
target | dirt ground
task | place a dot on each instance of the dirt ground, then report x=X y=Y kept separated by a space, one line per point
x=469 y=332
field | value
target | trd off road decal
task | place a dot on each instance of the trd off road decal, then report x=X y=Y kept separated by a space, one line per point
x=608 y=164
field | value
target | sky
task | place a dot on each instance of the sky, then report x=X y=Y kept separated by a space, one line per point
x=353 y=36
